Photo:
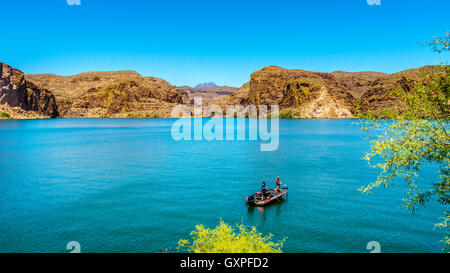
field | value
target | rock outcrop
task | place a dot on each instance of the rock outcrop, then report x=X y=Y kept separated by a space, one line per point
x=379 y=98
x=306 y=94
x=112 y=94
x=18 y=95
x=298 y=93
x=208 y=94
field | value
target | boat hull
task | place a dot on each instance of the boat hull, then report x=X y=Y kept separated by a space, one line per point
x=271 y=196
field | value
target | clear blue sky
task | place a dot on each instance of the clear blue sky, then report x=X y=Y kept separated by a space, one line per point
x=187 y=41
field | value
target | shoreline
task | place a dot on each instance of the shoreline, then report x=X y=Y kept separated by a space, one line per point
x=3 y=119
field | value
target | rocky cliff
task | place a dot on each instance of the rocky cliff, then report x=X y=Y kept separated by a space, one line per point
x=21 y=98
x=379 y=98
x=306 y=94
x=299 y=93
x=111 y=94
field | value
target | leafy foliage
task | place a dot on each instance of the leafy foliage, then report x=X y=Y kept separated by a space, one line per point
x=224 y=239
x=417 y=136
x=440 y=44
x=287 y=114
x=5 y=115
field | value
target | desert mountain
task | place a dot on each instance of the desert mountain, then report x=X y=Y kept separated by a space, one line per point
x=205 y=85
x=208 y=94
x=111 y=94
x=306 y=94
x=21 y=98
x=299 y=93
x=302 y=93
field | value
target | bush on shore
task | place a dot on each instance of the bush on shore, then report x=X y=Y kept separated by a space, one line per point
x=224 y=239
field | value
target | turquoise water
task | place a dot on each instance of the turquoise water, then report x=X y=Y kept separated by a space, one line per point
x=127 y=186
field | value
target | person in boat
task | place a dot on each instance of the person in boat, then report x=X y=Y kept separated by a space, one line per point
x=264 y=188
x=278 y=183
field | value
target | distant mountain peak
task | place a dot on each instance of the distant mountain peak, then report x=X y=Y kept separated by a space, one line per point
x=205 y=85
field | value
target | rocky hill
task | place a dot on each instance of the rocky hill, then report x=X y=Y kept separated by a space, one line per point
x=299 y=93
x=208 y=94
x=21 y=98
x=111 y=94
x=302 y=94
x=306 y=94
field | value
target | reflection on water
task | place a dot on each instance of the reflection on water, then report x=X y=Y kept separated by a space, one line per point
x=276 y=207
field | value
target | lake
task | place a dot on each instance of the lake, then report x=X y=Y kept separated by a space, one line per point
x=124 y=185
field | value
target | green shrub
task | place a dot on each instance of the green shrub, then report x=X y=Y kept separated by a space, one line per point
x=147 y=116
x=4 y=115
x=288 y=114
x=224 y=239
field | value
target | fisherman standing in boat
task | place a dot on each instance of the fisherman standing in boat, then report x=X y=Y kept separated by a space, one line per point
x=278 y=183
x=264 y=188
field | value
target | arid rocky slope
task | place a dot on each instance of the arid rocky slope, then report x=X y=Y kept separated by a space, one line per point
x=20 y=98
x=306 y=94
x=299 y=93
x=111 y=94
x=208 y=94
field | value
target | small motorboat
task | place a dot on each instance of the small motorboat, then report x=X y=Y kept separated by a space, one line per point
x=272 y=195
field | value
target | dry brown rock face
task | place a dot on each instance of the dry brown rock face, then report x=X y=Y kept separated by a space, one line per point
x=18 y=95
x=111 y=94
x=306 y=94
x=298 y=93
x=209 y=94
x=379 y=98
